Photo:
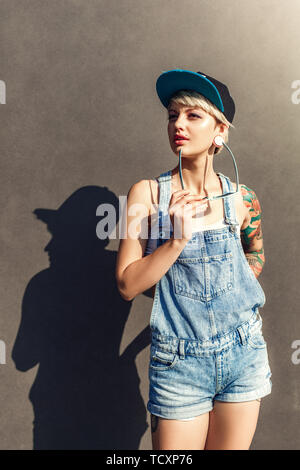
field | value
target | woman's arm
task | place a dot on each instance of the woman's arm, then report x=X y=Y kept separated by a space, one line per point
x=134 y=272
x=251 y=231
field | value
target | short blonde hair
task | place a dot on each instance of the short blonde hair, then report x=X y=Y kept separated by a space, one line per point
x=193 y=98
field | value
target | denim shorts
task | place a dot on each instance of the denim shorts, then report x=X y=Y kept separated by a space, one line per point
x=186 y=376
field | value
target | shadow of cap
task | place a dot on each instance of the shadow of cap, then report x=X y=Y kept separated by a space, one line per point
x=79 y=209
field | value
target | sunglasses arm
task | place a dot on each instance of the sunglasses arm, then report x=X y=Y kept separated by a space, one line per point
x=222 y=195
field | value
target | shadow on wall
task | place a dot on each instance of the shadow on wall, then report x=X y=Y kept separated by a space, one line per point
x=85 y=395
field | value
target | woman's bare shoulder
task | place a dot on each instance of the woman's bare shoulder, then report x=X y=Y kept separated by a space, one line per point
x=145 y=191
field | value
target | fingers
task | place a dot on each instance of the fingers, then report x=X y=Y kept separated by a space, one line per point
x=184 y=196
x=191 y=209
x=188 y=200
x=183 y=207
x=187 y=211
x=178 y=194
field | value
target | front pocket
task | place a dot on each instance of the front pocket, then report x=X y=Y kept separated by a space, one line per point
x=203 y=278
x=257 y=341
x=255 y=338
x=162 y=360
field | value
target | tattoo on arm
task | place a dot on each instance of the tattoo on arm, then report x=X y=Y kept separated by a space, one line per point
x=256 y=261
x=251 y=232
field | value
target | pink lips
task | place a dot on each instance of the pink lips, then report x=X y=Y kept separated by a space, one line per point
x=180 y=139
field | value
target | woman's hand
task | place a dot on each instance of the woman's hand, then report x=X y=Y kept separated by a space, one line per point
x=183 y=206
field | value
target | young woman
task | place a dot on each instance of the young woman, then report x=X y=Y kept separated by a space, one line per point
x=209 y=363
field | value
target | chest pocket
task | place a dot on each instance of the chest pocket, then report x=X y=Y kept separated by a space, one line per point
x=203 y=278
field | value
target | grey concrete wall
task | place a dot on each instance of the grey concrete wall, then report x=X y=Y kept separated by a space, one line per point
x=81 y=115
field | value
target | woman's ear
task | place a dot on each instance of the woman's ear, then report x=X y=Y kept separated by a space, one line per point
x=221 y=129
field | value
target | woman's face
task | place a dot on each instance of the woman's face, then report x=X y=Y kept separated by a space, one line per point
x=198 y=126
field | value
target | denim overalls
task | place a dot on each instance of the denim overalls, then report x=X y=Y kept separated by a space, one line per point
x=207 y=341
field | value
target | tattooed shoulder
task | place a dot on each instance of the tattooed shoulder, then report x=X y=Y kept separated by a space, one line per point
x=251 y=231
x=253 y=212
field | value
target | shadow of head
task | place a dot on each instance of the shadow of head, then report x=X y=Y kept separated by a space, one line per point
x=81 y=226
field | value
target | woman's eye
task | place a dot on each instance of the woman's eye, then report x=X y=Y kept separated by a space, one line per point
x=191 y=114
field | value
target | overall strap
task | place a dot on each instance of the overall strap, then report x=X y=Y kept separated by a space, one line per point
x=229 y=203
x=164 y=181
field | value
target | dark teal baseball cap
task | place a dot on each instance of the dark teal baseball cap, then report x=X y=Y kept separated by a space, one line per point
x=171 y=81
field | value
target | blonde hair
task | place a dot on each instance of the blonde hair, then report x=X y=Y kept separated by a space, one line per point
x=193 y=98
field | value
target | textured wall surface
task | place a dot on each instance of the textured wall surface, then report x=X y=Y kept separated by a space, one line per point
x=80 y=124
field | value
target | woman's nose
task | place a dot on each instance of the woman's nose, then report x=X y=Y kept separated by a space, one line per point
x=179 y=122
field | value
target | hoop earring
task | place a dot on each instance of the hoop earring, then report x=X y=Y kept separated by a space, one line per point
x=218 y=141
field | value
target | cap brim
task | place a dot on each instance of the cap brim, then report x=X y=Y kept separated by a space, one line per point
x=174 y=80
x=46 y=215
